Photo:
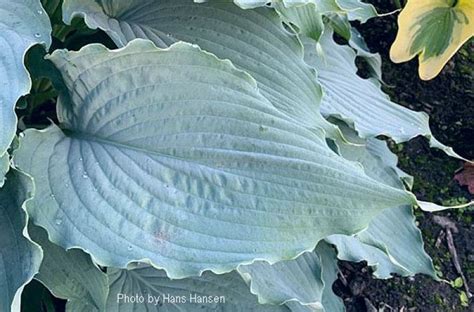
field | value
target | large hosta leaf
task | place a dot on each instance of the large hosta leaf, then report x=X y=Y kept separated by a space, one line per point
x=254 y=40
x=360 y=101
x=191 y=166
x=20 y=258
x=434 y=30
x=23 y=24
x=71 y=275
x=209 y=292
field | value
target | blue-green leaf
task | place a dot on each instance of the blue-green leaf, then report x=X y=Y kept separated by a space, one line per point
x=254 y=40
x=302 y=284
x=4 y=167
x=331 y=302
x=192 y=168
x=20 y=258
x=357 y=10
x=209 y=292
x=308 y=19
x=23 y=24
x=298 y=280
x=392 y=243
x=71 y=275
x=252 y=4
x=360 y=102
x=374 y=60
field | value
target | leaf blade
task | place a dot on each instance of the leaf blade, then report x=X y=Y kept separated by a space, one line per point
x=434 y=30
x=190 y=194
x=70 y=275
x=20 y=257
x=188 y=294
x=254 y=40
x=360 y=102
x=24 y=24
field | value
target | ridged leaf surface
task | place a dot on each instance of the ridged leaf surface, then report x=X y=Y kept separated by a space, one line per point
x=174 y=156
x=254 y=40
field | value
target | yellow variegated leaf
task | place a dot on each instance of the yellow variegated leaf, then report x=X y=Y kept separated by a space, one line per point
x=434 y=29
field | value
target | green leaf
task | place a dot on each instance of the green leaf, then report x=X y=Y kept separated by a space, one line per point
x=20 y=258
x=192 y=167
x=24 y=24
x=457 y=283
x=360 y=102
x=71 y=275
x=209 y=292
x=464 y=299
x=254 y=40
x=392 y=243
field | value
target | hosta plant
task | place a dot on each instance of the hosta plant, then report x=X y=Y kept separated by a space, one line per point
x=210 y=155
